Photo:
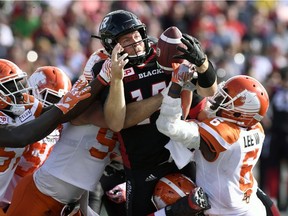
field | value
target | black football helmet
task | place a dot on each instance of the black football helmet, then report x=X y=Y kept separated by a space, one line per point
x=118 y=23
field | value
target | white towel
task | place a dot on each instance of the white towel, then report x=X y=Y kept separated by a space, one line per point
x=179 y=153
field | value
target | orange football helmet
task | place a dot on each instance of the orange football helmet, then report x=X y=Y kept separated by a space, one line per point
x=241 y=99
x=170 y=188
x=13 y=88
x=49 y=84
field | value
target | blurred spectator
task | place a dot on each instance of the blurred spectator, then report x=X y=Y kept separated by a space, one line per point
x=50 y=28
x=6 y=36
x=71 y=58
x=278 y=145
x=26 y=18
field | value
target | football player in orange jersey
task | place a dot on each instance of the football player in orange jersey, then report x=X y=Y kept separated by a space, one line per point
x=19 y=111
x=227 y=146
x=73 y=167
x=49 y=84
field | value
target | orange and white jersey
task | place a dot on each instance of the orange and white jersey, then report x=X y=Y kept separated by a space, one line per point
x=37 y=153
x=228 y=180
x=9 y=157
x=79 y=159
x=32 y=159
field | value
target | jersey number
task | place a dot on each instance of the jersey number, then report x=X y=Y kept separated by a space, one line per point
x=9 y=155
x=107 y=138
x=246 y=170
x=156 y=88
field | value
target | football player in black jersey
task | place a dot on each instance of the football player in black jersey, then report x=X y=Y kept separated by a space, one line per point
x=134 y=69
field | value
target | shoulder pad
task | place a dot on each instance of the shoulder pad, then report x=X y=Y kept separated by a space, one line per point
x=218 y=133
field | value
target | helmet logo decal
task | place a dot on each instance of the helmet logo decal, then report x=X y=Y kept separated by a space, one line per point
x=40 y=78
x=104 y=23
x=250 y=102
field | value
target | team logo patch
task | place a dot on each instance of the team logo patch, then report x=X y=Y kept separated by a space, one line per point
x=3 y=120
x=129 y=72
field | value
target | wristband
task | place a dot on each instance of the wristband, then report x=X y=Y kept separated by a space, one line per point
x=174 y=91
x=207 y=79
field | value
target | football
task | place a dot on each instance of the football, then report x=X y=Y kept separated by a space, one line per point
x=167 y=48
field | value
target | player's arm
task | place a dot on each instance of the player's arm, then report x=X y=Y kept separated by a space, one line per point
x=37 y=129
x=115 y=105
x=169 y=121
x=94 y=114
x=207 y=79
x=140 y=110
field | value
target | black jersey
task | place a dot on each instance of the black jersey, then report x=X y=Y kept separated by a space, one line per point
x=142 y=145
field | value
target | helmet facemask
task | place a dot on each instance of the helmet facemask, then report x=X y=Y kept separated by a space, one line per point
x=14 y=93
x=48 y=96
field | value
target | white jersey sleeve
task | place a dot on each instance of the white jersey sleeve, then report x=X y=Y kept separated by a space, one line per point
x=170 y=124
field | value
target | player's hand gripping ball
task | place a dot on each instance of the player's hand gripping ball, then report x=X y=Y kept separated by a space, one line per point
x=167 y=48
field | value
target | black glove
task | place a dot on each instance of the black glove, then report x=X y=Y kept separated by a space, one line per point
x=193 y=204
x=193 y=53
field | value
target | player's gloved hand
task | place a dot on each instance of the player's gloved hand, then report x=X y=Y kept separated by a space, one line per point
x=193 y=204
x=79 y=91
x=193 y=53
x=118 y=193
x=181 y=73
x=198 y=199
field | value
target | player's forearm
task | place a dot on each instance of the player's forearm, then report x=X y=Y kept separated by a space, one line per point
x=138 y=111
x=115 y=106
x=32 y=131
x=94 y=114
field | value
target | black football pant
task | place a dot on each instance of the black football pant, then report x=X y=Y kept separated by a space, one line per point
x=141 y=183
